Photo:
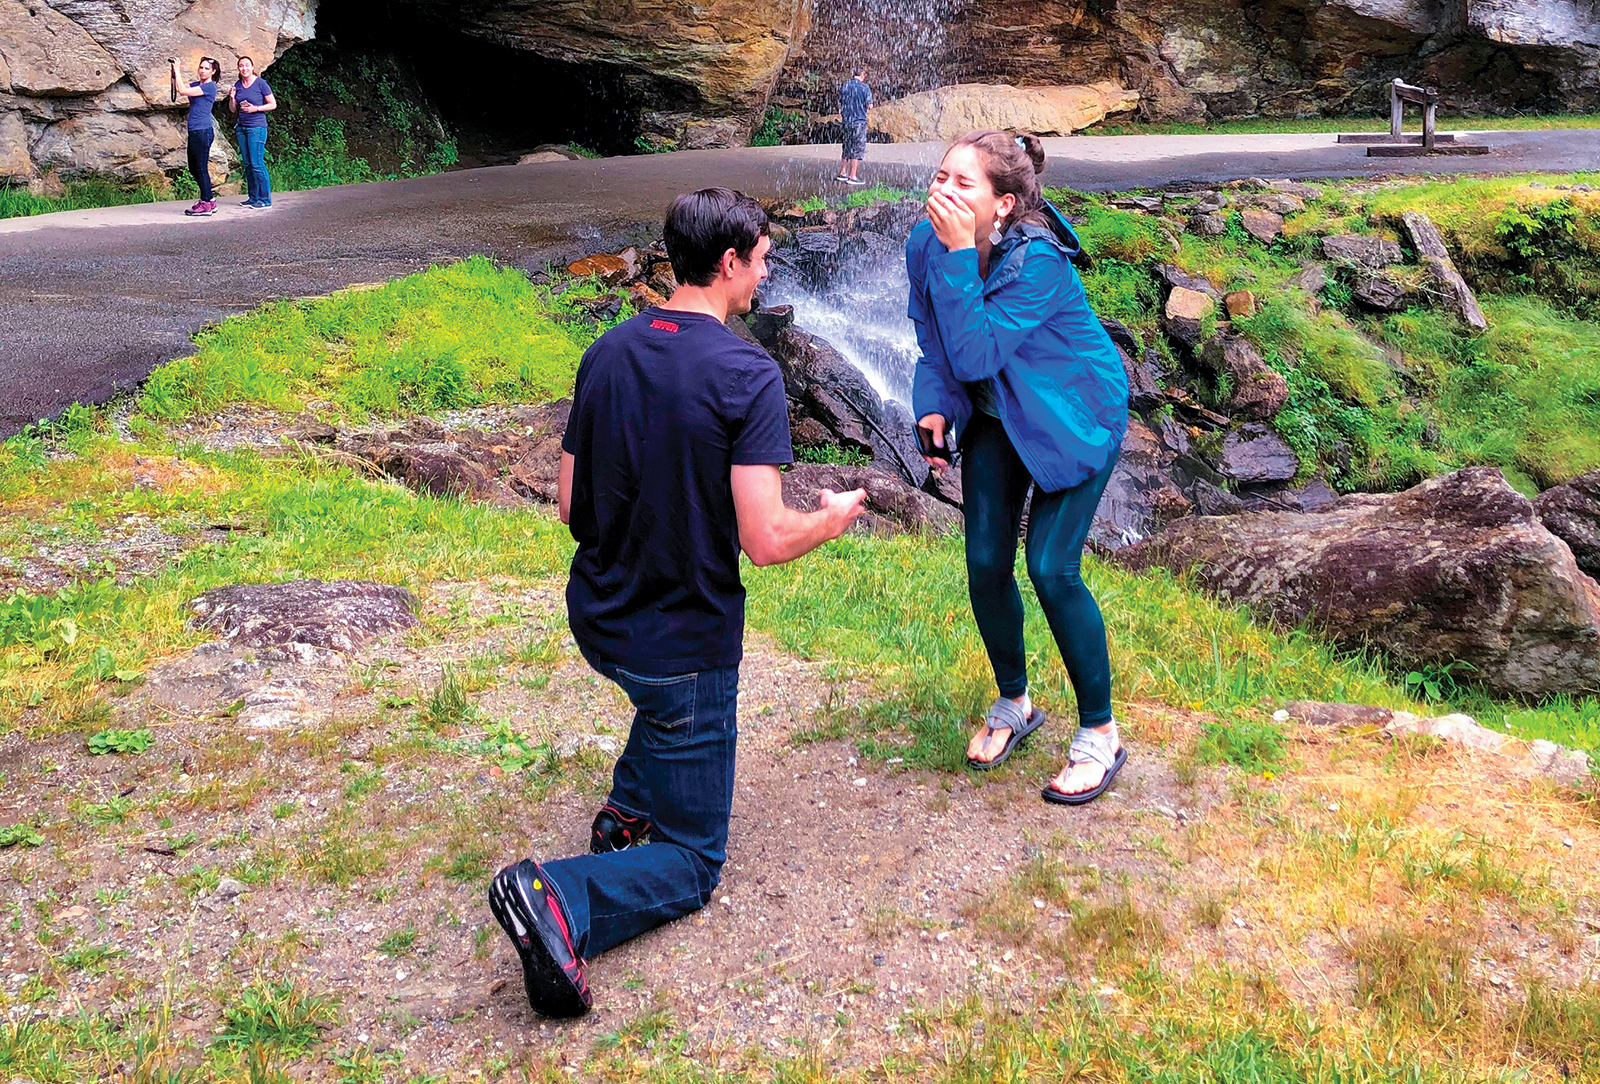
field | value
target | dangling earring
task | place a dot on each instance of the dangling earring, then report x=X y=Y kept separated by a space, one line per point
x=995 y=237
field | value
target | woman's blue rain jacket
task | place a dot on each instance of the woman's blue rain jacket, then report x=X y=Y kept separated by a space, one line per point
x=1060 y=387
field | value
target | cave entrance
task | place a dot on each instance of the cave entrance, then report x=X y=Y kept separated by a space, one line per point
x=497 y=102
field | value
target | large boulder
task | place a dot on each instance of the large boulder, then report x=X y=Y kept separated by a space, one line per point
x=953 y=111
x=892 y=507
x=1361 y=250
x=1572 y=513
x=341 y=615
x=1458 y=567
x=1254 y=454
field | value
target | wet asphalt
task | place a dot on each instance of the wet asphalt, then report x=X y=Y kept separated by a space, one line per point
x=91 y=301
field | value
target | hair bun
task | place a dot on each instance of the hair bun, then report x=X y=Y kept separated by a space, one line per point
x=1034 y=149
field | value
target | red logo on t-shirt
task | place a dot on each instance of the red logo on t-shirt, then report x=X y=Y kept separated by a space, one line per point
x=664 y=325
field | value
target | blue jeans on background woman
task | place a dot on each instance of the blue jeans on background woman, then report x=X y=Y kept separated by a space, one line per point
x=253 y=156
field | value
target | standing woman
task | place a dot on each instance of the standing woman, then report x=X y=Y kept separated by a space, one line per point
x=201 y=93
x=252 y=99
x=1017 y=372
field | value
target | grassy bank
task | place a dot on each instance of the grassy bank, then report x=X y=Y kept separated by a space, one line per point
x=18 y=202
x=1378 y=403
x=461 y=335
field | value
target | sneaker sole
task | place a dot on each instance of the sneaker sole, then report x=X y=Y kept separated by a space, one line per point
x=550 y=992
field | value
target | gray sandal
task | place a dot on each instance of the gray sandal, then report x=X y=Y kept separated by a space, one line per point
x=1004 y=713
x=1088 y=745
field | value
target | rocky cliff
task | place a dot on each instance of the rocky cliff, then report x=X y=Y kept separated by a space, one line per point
x=1215 y=59
x=84 y=83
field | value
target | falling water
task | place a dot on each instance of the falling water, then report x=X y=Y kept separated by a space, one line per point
x=863 y=315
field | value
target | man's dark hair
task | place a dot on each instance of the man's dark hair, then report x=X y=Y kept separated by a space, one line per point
x=703 y=225
x=858 y=71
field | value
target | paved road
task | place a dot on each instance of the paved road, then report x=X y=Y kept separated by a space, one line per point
x=91 y=301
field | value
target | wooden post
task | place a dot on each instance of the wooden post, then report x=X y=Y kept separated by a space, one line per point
x=1429 y=110
x=1397 y=109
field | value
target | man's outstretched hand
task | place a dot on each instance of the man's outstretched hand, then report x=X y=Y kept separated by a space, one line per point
x=842 y=509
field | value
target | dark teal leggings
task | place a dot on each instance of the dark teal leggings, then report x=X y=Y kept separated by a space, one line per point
x=994 y=483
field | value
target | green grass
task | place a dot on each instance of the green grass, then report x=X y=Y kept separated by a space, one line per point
x=1524 y=397
x=453 y=336
x=898 y=609
x=281 y=1014
x=1268 y=125
x=16 y=201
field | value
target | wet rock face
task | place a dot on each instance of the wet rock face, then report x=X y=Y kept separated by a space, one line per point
x=825 y=389
x=1572 y=513
x=340 y=615
x=1218 y=58
x=1458 y=567
x=892 y=506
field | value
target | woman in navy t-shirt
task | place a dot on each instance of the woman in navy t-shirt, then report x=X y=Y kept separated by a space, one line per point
x=251 y=97
x=201 y=93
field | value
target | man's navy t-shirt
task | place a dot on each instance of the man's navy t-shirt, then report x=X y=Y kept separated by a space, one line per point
x=665 y=405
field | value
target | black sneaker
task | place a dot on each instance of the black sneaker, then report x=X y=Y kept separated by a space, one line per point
x=526 y=906
x=614 y=830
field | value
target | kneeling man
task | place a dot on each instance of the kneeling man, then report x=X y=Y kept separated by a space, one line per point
x=669 y=467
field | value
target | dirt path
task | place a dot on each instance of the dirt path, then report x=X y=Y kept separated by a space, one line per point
x=855 y=896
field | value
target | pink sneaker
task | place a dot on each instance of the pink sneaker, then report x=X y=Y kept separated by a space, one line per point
x=201 y=207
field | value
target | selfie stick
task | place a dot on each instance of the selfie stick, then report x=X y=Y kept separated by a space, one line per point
x=174 y=87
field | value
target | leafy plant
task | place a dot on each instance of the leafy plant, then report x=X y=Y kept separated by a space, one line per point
x=121 y=741
x=1437 y=681
x=13 y=835
x=831 y=453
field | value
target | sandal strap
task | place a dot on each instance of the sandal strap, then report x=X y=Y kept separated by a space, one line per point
x=1092 y=745
x=1005 y=712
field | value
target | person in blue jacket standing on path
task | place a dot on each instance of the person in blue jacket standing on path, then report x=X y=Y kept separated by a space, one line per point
x=1018 y=373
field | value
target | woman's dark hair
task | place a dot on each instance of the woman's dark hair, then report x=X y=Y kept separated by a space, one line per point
x=1013 y=164
x=703 y=225
x=216 y=67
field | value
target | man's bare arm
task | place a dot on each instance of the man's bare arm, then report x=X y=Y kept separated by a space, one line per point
x=770 y=532
x=564 y=489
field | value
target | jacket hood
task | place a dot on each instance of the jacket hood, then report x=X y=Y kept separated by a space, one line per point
x=1059 y=232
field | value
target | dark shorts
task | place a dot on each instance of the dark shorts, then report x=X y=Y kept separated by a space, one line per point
x=855 y=141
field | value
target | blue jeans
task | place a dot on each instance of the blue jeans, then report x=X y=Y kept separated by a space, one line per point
x=253 y=155
x=677 y=770
x=994 y=483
